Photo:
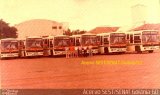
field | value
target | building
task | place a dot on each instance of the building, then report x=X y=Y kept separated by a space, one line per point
x=148 y=27
x=39 y=27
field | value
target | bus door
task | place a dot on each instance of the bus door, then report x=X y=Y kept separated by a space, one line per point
x=137 y=38
x=73 y=40
x=137 y=42
x=77 y=41
x=106 y=43
x=106 y=40
x=131 y=39
x=21 y=48
x=46 y=45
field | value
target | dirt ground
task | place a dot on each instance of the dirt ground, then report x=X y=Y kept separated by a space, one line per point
x=83 y=72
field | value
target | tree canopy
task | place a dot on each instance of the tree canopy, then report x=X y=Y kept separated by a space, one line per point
x=74 y=32
x=7 y=31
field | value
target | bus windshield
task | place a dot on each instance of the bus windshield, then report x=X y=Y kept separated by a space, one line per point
x=34 y=43
x=149 y=37
x=89 y=40
x=62 y=42
x=117 y=39
x=9 y=45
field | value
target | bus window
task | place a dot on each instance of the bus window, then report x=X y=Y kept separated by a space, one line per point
x=149 y=38
x=99 y=40
x=106 y=41
x=73 y=41
x=137 y=39
x=21 y=43
x=77 y=42
x=127 y=36
x=9 y=45
x=51 y=43
x=46 y=43
x=131 y=38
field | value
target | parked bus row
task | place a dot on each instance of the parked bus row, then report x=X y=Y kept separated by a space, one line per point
x=104 y=43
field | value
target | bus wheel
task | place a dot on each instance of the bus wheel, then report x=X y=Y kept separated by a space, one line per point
x=51 y=53
x=106 y=51
x=3 y=58
x=150 y=51
x=138 y=49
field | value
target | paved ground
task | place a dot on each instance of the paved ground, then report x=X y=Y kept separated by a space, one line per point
x=70 y=73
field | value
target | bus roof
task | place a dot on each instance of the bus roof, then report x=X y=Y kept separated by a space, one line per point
x=75 y=36
x=33 y=37
x=88 y=34
x=5 y=39
x=109 y=33
x=103 y=34
x=133 y=32
x=144 y=30
x=61 y=36
x=48 y=37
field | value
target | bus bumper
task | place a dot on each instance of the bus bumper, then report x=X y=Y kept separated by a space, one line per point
x=59 y=52
x=95 y=51
x=146 y=48
x=9 y=55
x=34 y=53
x=117 y=50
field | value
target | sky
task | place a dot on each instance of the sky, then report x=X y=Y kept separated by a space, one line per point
x=79 y=14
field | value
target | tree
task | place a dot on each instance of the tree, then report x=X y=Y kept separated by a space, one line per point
x=7 y=31
x=74 y=32
x=82 y=32
x=68 y=32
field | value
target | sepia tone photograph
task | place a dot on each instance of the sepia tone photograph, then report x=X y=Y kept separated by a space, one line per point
x=79 y=47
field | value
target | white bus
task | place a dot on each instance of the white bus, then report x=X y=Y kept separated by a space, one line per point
x=89 y=39
x=144 y=40
x=60 y=42
x=9 y=47
x=33 y=46
x=86 y=40
x=113 y=42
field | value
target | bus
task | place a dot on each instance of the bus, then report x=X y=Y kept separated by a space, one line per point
x=60 y=43
x=86 y=40
x=89 y=39
x=33 y=46
x=113 y=42
x=144 y=40
x=9 y=48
